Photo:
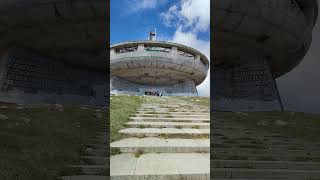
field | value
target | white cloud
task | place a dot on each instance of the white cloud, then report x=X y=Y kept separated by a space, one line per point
x=137 y=5
x=191 y=17
x=193 y=14
x=204 y=88
x=190 y=39
x=170 y=16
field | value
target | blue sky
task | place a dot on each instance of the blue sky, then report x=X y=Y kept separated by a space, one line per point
x=182 y=21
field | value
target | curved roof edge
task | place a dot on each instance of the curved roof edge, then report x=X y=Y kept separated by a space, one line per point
x=316 y=13
x=203 y=57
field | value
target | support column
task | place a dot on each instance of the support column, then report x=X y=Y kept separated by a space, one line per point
x=245 y=87
x=174 y=50
x=141 y=47
x=112 y=52
x=3 y=64
x=278 y=94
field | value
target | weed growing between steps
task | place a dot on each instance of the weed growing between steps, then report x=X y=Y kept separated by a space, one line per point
x=115 y=151
x=138 y=153
x=38 y=143
x=121 y=108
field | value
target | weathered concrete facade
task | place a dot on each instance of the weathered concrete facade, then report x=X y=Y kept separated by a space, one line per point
x=142 y=66
x=245 y=87
x=254 y=43
x=53 y=51
x=32 y=79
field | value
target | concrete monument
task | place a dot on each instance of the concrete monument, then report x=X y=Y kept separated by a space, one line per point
x=53 y=51
x=254 y=43
x=142 y=67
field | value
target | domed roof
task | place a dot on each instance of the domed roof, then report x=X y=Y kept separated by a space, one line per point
x=280 y=32
x=157 y=63
x=71 y=31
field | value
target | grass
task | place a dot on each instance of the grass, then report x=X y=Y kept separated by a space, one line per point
x=115 y=151
x=293 y=124
x=38 y=143
x=121 y=108
x=141 y=126
x=203 y=101
x=163 y=136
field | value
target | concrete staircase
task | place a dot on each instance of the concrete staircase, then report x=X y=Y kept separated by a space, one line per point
x=167 y=138
x=93 y=165
x=249 y=153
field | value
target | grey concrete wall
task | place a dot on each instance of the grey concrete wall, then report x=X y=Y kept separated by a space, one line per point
x=122 y=86
x=3 y=62
x=32 y=79
x=246 y=87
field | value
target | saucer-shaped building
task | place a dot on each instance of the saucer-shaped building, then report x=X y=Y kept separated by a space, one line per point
x=142 y=67
x=254 y=43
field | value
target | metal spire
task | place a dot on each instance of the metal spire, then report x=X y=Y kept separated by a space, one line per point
x=152 y=35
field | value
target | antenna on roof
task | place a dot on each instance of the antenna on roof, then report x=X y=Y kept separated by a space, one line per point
x=152 y=35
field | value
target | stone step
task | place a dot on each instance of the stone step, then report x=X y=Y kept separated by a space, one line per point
x=84 y=177
x=266 y=157
x=238 y=132
x=247 y=179
x=98 y=153
x=160 y=166
x=174 y=109
x=258 y=137
x=165 y=132
x=265 y=173
x=97 y=141
x=263 y=138
x=102 y=133
x=177 y=113
x=265 y=151
x=92 y=169
x=174 y=115
x=103 y=129
x=161 y=145
x=265 y=164
x=167 y=111
x=166 y=106
x=102 y=137
x=94 y=160
x=154 y=119
x=142 y=124
x=265 y=146
x=267 y=142
x=97 y=146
